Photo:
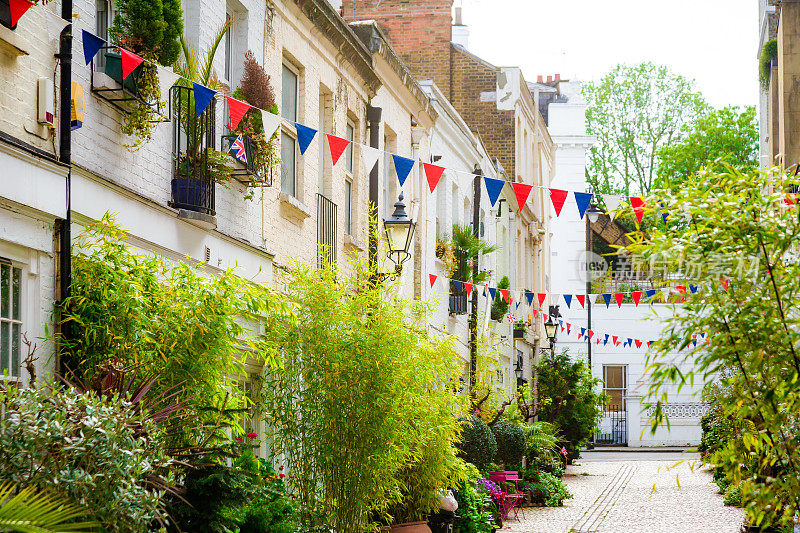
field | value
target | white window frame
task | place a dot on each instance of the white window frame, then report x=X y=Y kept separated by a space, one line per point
x=296 y=71
x=623 y=389
x=348 y=206
x=228 y=46
x=289 y=132
x=111 y=11
x=12 y=265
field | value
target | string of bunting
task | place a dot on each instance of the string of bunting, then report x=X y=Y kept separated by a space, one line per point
x=519 y=296
x=403 y=166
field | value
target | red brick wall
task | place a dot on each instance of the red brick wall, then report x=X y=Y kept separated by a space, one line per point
x=419 y=31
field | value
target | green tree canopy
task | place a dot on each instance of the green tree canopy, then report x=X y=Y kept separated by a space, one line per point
x=634 y=111
x=719 y=136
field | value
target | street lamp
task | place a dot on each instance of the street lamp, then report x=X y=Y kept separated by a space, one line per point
x=399 y=231
x=592 y=215
x=593 y=212
x=518 y=372
x=550 y=330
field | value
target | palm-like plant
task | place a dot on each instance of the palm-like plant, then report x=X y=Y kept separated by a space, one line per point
x=467 y=248
x=542 y=439
x=30 y=511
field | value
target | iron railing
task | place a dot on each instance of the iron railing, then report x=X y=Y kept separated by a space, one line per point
x=613 y=429
x=458 y=299
x=326 y=230
x=193 y=138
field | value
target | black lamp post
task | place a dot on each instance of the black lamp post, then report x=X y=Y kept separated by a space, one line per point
x=550 y=330
x=592 y=215
x=399 y=232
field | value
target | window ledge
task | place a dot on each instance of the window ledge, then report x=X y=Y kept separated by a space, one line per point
x=293 y=204
x=12 y=43
x=352 y=241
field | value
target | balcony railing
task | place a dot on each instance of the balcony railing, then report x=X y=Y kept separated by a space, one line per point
x=458 y=303
x=326 y=231
x=193 y=137
x=458 y=299
x=251 y=173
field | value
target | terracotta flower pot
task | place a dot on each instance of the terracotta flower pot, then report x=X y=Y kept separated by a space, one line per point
x=411 y=527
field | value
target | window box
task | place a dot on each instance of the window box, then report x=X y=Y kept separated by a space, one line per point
x=246 y=173
x=113 y=69
x=125 y=95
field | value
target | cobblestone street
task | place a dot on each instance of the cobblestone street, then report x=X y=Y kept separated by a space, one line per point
x=617 y=497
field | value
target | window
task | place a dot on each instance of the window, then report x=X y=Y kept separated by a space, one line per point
x=288 y=164
x=349 y=134
x=10 y=319
x=615 y=386
x=229 y=47
x=289 y=94
x=348 y=203
x=102 y=23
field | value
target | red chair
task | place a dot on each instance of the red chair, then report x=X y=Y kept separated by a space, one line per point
x=512 y=497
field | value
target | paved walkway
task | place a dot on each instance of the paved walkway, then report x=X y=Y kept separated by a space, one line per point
x=617 y=497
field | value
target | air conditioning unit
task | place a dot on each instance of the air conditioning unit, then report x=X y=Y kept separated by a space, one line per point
x=46 y=106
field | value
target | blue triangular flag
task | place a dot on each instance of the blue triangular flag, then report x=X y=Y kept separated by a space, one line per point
x=693 y=288
x=202 y=97
x=529 y=296
x=703 y=335
x=607 y=298
x=694 y=341
x=583 y=331
x=582 y=199
x=459 y=286
x=304 y=136
x=606 y=340
x=568 y=299
x=650 y=293
x=630 y=341
x=492 y=292
x=402 y=166
x=664 y=214
x=517 y=306
x=91 y=45
x=494 y=187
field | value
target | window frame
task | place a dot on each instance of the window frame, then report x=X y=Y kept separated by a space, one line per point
x=347 y=205
x=12 y=266
x=622 y=390
x=110 y=13
x=289 y=133
x=228 y=46
x=296 y=72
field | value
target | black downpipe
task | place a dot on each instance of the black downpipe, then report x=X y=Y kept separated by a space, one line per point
x=65 y=156
x=374 y=120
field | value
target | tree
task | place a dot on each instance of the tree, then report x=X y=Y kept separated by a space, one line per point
x=747 y=326
x=634 y=111
x=718 y=137
x=150 y=28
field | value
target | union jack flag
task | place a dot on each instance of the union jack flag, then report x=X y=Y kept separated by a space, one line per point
x=510 y=317
x=237 y=150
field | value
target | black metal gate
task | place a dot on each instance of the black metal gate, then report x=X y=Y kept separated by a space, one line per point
x=613 y=430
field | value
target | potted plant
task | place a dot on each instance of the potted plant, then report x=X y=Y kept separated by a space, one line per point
x=519 y=329
x=499 y=305
x=150 y=30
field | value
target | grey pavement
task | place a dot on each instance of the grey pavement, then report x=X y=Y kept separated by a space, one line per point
x=634 y=492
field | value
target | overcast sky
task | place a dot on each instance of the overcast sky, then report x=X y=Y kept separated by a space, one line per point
x=712 y=41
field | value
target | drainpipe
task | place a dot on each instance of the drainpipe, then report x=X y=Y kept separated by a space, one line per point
x=65 y=156
x=374 y=121
x=473 y=318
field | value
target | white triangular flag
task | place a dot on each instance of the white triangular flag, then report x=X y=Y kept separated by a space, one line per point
x=369 y=156
x=612 y=204
x=55 y=25
x=271 y=122
x=166 y=79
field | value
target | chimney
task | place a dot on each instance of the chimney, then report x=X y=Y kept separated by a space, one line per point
x=460 y=32
x=540 y=79
x=549 y=79
x=558 y=77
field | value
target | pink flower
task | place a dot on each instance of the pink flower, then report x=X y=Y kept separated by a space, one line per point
x=237 y=439
x=563 y=450
x=282 y=476
x=252 y=435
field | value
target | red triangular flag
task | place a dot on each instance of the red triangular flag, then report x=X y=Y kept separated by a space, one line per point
x=638 y=343
x=468 y=286
x=18 y=8
x=129 y=62
x=568 y=327
x=580 y=335
x=337 y=146
x=725 y=283
x=681 y=289
x=590 y=333
x=433 y=173
x=618 y=296
x=557 y=196
x=433 y=279
x=636 y=295
x=504 y=294
x=638 y=207
x=236 y=110
x=790 y=199
x=522 y=192
x=581 y=299
x=614 y=340
x=544 y=317
x=541 y=297
x=535 y=312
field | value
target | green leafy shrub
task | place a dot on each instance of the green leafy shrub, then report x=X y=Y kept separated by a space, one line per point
x=98 y=452
x=510 y=440
x=499 y=305
x=476 y=510
x=569 y=400
x=149 y=28
x=362 y=399
x=733 y=496
x=555 y=489
x=478 y=444
x=768 y=52
x=243 y=494
x=167 y=319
